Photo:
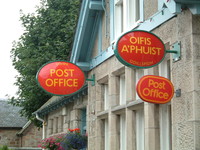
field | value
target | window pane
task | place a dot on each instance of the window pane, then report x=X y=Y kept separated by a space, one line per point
x=140 y=129
x=122 y=132
x=165 y=127
x=122 y=89
x=118 y=18
x=106 y=139
x=106 y=101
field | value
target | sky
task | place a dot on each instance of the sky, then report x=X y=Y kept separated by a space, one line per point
x=10 y=30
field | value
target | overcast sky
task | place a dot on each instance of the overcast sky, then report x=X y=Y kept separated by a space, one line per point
x=10 y=30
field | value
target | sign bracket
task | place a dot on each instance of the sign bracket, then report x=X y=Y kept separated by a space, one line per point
x=176 y=50
x=92 y=79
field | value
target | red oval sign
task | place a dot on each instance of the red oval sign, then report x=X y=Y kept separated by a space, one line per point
x=155 y=89
x=60 y=78
x=140 y=49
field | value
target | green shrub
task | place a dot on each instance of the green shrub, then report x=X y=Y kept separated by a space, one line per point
x=4 y=147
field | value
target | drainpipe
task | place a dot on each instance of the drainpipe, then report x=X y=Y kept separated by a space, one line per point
x=43 y=125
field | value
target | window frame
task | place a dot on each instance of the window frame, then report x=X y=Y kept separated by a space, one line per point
x=122 y=121
x=125 y=18
x=122 y=89
x=139 y=116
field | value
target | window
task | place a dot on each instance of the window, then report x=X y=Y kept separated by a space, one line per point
x=165 y=127
x=133 y=12
x=83 y=121
x=105 y=96
x=122 y=89
x=165 y=110
x=140 y=129
x=55 y=125
x=164 y=69
x=50 y=126
x=118 y=17
x=126 y=13
x=122 y=132
x=106 y=135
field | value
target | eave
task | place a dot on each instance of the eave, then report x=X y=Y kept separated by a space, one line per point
x=85 y=33
x=60 y=101
x=88 y=21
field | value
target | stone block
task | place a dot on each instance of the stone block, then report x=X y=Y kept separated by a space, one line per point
x=75 y=114
x=184 y=136
x=151 y=113
x=184 y=24
x=196 y=105
x=152 y=139
x=196 y=24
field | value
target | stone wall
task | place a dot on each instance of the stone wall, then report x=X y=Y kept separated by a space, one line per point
x=8 y=137
x=68 y=116
x=184 y=110
x=31 y=137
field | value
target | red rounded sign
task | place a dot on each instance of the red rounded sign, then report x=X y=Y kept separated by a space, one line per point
x=155 y=89
x=140 y=49
x=61 y=78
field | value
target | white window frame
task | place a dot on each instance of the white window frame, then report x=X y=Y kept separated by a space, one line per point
x=122 y=132
x=121 y=12
x=106 y=97
x=139 y=114
x=122 y=90
x=165 y=127
x=164 y=68
x=164 y=111
x=106 y=135
x=118 y=17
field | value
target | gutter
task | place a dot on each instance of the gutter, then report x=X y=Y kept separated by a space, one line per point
x=24 y=127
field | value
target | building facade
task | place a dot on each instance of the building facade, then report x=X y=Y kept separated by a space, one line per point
x=17 y=132
x=117 y=119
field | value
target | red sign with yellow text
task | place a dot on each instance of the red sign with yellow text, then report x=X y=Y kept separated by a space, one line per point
x=61 y=78
x=155 y=89
x=140 y=49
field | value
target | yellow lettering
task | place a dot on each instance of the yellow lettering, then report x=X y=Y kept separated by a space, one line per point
x=61 y=82
x=49 y=82
x=125 y=49
x=59 y=73
x=159 y=85
x=52 y=71
x=133 y=40
x=148 y=41
x=155 y=93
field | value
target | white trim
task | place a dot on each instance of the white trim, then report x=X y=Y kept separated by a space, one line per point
x=165 y=127
x=106 y=98
x=106 y=134
x=123 y=18
x=122 y=132
x=140 y=129
x=122 y=90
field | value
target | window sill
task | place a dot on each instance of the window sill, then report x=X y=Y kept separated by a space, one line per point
x=119 y=109
x=103 y=114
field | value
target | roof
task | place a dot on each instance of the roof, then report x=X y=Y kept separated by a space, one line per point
x=89 y=20
x=10 y=116
x=56 y=102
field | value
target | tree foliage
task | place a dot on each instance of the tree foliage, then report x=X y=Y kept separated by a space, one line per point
x=48 y=36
